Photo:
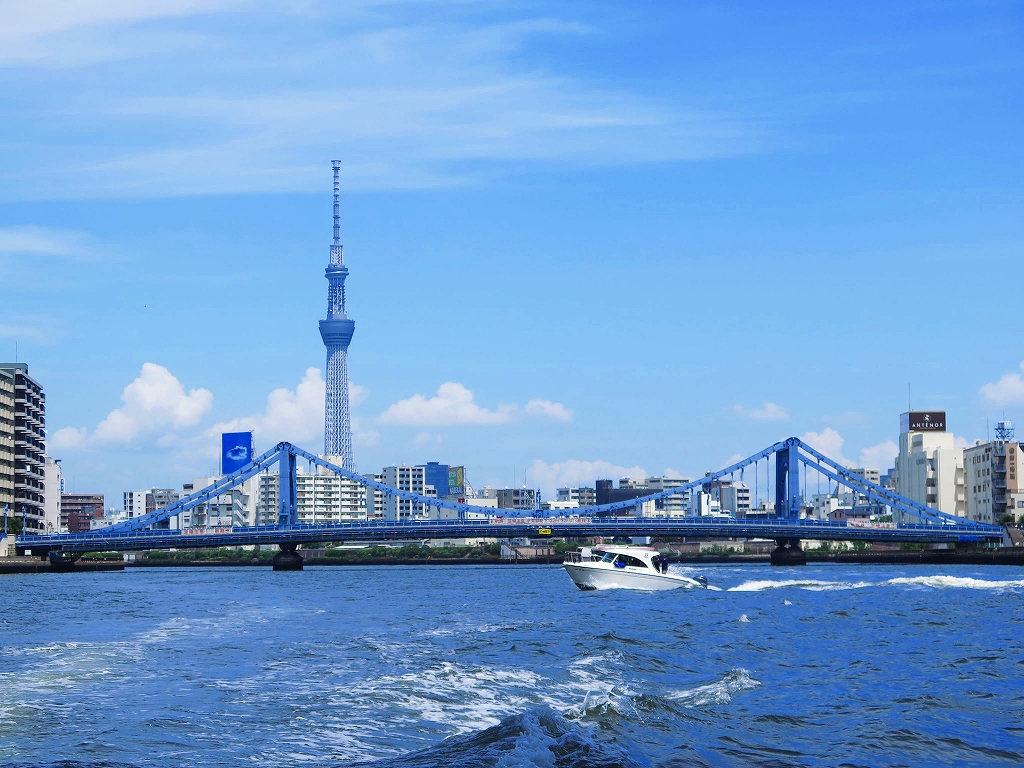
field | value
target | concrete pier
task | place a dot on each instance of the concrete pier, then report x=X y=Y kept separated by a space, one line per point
x=788 y=552
x=288 y=559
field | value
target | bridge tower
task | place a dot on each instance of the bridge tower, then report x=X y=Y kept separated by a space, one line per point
x=336 y=332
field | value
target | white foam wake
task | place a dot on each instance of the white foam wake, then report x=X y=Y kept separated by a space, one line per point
x=935 y=582
x=720 y=692
x=809 y=584
x=956 y=582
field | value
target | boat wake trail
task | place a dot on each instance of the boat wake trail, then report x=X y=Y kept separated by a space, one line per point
x=933 y=582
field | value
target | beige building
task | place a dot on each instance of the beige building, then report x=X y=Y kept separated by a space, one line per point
x=7 y=441
x=929 y=469
x=29 y=447
x=992 y=479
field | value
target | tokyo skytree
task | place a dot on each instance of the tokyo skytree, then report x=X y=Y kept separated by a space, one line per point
x=336 y=331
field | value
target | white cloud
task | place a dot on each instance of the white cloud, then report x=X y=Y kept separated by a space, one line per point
x=155 y=401
x=732 y=460
x=296 y=416
x=357 y=394
x=769 y=411
x=574 y=473
x=959 y=443
x=363 y=438
x=828 y=442
x=1009 y=390
x=35 y=328
x=155 y=404
x=45 y=241
x=67 y=439
x=881 y=456
x=452 y=406
x=26 y=21
x=431 y=99
x=555 y=411
x=427 y=438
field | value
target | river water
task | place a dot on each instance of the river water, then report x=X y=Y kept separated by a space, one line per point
x=512 y=666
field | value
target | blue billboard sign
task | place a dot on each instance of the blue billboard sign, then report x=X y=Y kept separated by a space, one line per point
x=235 y=451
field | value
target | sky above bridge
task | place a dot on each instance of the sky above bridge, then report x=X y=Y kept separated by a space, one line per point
x=585 y=239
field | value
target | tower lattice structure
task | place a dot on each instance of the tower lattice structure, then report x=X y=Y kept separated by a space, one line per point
x=336 y=331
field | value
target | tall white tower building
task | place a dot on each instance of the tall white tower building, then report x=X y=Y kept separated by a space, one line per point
x=336 y=332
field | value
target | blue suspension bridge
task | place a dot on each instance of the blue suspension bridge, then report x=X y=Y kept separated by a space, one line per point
x=786 y=522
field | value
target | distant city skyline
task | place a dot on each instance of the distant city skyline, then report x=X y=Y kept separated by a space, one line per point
x=591 y=242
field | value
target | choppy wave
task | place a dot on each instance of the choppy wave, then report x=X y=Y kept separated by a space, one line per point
x=538 y=737
x=719 y=692
x=935 y=582
x=956 y=582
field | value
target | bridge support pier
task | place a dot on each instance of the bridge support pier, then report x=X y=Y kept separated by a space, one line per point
x=788 y=552
x=288 y=559
x=63 y=561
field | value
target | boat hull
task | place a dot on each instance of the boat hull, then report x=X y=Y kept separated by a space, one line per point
x=588 y=577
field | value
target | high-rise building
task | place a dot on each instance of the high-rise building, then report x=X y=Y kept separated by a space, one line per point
x=929 y=469
x=324 y=497
x=436 y=474
x=29 y=447
x=336 y=332
x=412 y=479
x=992 y=478
x=6 y=441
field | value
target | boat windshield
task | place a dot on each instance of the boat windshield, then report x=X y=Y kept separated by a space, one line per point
x=608 y=557
x=624 y=560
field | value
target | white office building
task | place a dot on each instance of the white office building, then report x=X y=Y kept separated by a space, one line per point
x=929 y=469
x=676 y=505
x=135 y=503
x=234 y=507
x=53 y=488
x=734 y=499
x=375 y=500
x=412 y=479
x=704 y=504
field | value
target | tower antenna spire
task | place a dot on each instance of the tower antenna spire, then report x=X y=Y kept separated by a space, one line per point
x=336 y=164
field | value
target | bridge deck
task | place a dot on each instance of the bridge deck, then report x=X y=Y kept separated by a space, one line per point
x=97 y=541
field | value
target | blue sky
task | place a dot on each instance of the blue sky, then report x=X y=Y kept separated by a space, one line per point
x=584 y=238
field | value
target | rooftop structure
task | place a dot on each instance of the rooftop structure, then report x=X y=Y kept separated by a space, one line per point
x=336 y=332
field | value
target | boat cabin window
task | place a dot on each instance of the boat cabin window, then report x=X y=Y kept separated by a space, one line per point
x=608 y=557
x=625 y=560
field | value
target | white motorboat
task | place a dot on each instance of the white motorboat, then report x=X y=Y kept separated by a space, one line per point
x=623 y=567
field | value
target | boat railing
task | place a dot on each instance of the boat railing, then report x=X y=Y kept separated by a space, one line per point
x=573 y=557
